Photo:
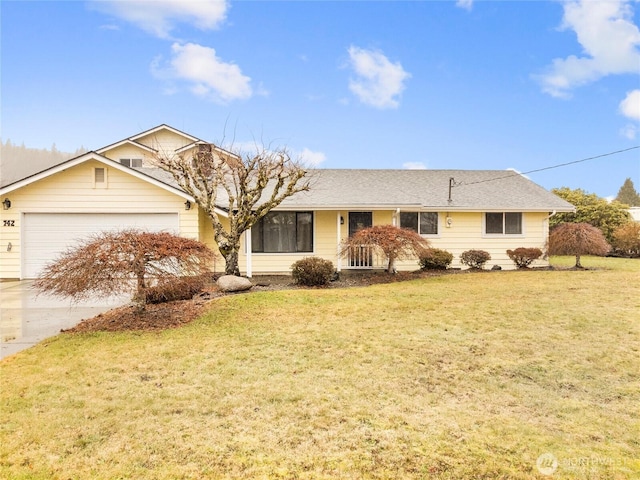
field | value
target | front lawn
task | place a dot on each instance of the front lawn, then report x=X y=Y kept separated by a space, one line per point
x=480 y=375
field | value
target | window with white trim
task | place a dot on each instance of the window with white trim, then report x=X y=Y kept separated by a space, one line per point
x=425 y=223
x=503 y=223
x=283 y=232
x=131 y=162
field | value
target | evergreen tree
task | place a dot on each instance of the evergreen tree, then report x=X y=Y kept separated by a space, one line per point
x=628 y=194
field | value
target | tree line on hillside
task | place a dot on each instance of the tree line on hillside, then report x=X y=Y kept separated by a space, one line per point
x=37 y=159
x=21 y=153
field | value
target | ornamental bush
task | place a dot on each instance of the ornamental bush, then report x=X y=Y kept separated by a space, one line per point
x=577 y=239
x=435 y=259
x=312 y=271
x=475 y=258
x=626 y=240
x=523 y=257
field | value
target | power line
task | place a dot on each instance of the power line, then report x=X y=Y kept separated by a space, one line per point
x=549 y=168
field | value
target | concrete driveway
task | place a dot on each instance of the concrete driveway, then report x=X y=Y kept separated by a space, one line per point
x=27 y=319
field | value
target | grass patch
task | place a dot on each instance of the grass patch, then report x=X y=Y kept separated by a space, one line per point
x=460 y=376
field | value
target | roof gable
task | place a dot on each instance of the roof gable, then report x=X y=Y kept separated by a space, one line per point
x=100 y=158
x=167 y=128
x=105 y=150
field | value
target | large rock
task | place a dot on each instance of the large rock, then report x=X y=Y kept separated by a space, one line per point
x=231 y=283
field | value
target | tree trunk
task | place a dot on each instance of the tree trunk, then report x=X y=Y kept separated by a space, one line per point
x=231 y=261
x=140 y=297
x=391 y=267
x=578 y=264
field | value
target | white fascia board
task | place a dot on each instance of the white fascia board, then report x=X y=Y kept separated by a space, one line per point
x=164 y=127
x=126 y=142
x=352 y=208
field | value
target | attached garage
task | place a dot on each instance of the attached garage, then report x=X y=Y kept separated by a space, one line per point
x=46 y=235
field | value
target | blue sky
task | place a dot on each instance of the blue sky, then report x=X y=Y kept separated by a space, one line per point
x=419 y=84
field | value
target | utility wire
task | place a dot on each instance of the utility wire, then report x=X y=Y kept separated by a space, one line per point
x=456 y=184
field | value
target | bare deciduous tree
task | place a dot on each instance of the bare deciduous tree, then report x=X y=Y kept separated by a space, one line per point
x=111 y=263
x=246 y=187
x=577 y=239
x=393 y=242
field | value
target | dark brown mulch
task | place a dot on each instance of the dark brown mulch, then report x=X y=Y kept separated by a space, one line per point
x=167 y=315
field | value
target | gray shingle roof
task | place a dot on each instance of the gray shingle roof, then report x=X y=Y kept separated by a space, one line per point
x=426 y=189
x=411 y=189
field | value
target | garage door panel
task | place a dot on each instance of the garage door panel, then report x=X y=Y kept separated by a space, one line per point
x=46 y=235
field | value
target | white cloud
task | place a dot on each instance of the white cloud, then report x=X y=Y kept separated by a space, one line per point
x=414 y=166
x=207 y=75
x=160 y=17
x=630 y=106
x=311 y=158
x=379 y=82
x=630 y=132
x=610 y=41
x=466 y=4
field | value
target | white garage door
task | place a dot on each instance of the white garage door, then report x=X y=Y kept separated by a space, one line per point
x=45 y=235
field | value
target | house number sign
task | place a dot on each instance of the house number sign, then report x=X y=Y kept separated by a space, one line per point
x=8 y=223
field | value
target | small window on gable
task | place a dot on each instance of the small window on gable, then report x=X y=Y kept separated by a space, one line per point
x=425 y=223
x=131 y=162
x=100 y=177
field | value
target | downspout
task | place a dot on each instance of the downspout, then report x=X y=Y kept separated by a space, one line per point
x=546 y=234
x=338 y=240
x=249 y=259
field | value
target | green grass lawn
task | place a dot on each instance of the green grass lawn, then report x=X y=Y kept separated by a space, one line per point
x=461 y=376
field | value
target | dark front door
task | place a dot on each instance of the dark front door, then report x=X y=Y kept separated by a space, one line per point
x=359 y=220
x=360 y=256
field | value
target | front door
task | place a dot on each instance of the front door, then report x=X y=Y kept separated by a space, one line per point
x=361 y=256
x=359 y=220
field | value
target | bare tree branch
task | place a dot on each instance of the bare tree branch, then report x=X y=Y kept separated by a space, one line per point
x=246 y=187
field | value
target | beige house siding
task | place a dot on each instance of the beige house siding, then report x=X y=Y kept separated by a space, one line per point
x=130 y=151
x=73 y=191
x=10 y=242
x=466 y=233
x=164 y=141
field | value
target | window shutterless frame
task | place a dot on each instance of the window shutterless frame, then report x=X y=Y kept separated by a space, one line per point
x=503 y=223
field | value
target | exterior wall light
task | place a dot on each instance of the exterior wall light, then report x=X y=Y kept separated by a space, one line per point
x=187 y=205
x=6 y=204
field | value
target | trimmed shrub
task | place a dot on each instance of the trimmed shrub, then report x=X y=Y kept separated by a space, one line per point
x=523 y=257
x=312 y=271
x=475 y=258
x=435 y=259
x=183 y=288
